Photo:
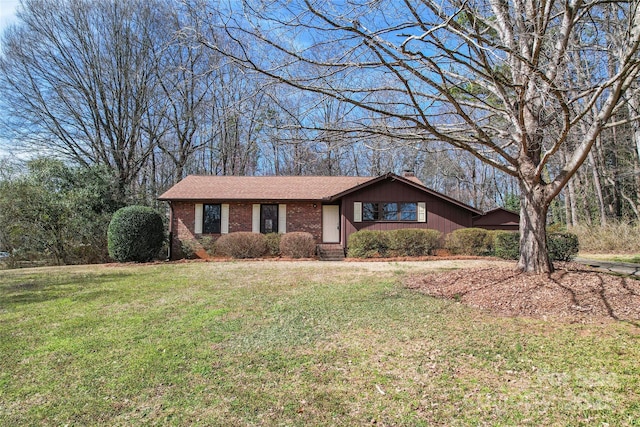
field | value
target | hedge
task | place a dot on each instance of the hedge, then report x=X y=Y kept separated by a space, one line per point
x=561 y=246
x=506 y=244
x=297 y=244
x=368 y=244
x=272 y=240
x=401 y=242
x=413 y=241
x=241 y=244
x=470 y=241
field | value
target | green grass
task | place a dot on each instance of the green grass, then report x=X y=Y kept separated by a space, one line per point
x=633 y=258
x=277 y=343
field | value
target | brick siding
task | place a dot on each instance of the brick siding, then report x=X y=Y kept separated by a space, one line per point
x=302 y=216
x=183 y=216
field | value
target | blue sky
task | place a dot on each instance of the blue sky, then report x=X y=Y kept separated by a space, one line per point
x=7 y=15
x=7 y=12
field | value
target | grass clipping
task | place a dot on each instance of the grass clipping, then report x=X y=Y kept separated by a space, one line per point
x=573 y=292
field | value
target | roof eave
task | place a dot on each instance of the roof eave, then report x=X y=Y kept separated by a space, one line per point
x=209 y=199
x=359 y=187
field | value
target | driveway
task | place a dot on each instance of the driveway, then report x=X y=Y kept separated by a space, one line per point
x=626 y=268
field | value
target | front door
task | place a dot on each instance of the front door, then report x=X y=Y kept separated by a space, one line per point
x=331 y=224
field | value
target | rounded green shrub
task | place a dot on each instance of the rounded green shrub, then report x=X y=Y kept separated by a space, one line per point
x=188 y=248
x=470 y=241
x=368 y=244
x=298 y=244
x=562 y=246
x=413 y=241
x=208 y=243
x=241 y=244
x=273 y=243
x=507 y=244
x=136 y=233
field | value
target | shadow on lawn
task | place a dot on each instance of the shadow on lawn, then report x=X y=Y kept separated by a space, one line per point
x=572 y=293
x=30 y=290
x=615 y=294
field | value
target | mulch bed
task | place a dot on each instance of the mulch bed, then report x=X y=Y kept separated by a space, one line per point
x=573 y=293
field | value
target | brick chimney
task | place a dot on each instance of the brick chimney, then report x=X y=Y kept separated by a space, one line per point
x=408 y=173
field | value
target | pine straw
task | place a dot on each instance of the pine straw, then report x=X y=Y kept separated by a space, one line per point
x=573 y=293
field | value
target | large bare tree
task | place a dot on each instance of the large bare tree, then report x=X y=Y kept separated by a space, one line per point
x=78 y=80
x=495 y=78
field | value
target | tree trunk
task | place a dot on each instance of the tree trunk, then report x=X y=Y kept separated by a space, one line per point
x=573 y=209
x=567 y=210
x=534 y=255
x=598 y=188
x=634 y=110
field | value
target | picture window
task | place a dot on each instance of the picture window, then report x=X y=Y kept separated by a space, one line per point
x=389 y=211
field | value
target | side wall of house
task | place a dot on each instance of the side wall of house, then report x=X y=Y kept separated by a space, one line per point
x=441 y=215
x=182 y=225
x=301 y=216
x=498 y=220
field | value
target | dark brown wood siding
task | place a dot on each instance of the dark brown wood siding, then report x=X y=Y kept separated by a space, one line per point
x=441 y=214
x=498 y=219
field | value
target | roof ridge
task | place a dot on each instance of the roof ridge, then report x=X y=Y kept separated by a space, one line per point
x=279 y=176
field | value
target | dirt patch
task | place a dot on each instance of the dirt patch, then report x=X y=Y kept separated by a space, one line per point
x=422 y=258
x=574 y=293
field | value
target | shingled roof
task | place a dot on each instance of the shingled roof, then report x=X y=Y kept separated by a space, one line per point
x=197 y=187
x=282 y=188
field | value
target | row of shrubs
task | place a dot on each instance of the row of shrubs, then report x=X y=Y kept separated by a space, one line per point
x=465 y=241
x=136 y=233
x=242 y=245
x=403 y=242
x=506 y=244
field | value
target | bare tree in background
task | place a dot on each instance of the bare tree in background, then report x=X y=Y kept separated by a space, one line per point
x=79 y=80
x=493 y=78
x=185 y=77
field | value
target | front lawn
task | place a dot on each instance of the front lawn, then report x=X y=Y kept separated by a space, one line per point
x=633 y=258
x=294 y=343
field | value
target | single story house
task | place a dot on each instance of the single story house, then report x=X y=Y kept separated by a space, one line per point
x=329 y=207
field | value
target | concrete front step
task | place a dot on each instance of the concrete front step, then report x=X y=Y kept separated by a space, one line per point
x=330 y=252
x=325 y=257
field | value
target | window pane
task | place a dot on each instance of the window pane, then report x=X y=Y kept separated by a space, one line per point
x=211 y=219
x=390 y=212
x=269 y=219
x=409 y=211
x=369 y=211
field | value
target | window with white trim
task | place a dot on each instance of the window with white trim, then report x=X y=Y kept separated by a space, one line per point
x=211 y=219
x=389 y=211
x=269 y=219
